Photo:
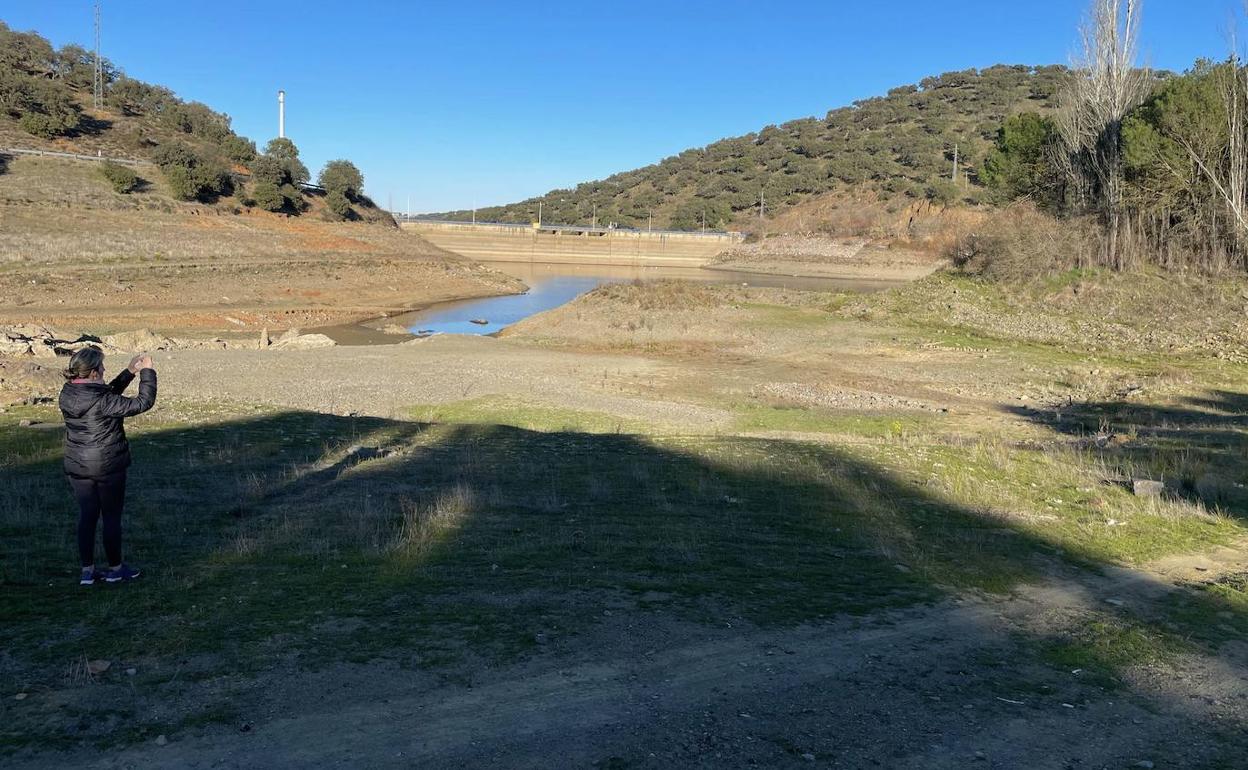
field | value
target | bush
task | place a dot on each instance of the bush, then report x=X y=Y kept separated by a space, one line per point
x=1021 y=242
x=287 y=153
x=122 y=178
x=181 y=185
x=339 y=208
x=294 y=198
x=47 y=108
x=192 y=176
x=268 y=197
x=341 y=176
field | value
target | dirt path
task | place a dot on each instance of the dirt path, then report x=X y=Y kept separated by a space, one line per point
x=925 y=688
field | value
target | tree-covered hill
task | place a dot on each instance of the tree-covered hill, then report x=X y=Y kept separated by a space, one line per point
x=47 y=102
x=899 y=144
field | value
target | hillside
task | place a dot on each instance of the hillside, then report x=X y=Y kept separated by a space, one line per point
x=197 y=230
x=47 y=103
x=897 y=145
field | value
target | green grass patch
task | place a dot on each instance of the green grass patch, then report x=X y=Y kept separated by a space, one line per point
x=759 y=417
x=1101 y=649
x=501 y=410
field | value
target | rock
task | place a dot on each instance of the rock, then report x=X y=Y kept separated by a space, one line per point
x=15 y=348
x=297 y=341
x=139 y=341
x=161 y=740
x=20 y=696
x=1148 y=488
x=808 y=757
x=1144 y=763
x=264 y=338
x=395 y=329
x=25 y=423
x=131 y=671
x=367 y=452
x=97 y=667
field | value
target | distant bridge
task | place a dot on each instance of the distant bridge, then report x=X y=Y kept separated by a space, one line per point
x=573 y=244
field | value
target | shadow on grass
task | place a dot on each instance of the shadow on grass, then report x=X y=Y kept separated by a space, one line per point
x=1198 y=448
x=320 y=539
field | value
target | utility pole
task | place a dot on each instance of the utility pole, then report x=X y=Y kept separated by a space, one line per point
x=97 y=88
x=703 y=221
x=539 y=213
x=955 y=162
x=474 y=211
x=281 y=114
x=650 y=225
x=593 y=223
x=762 y=204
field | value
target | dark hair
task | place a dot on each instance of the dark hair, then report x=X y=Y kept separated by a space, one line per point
x=85 y=362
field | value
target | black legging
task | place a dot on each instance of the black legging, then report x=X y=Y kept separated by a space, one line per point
x=105 y=496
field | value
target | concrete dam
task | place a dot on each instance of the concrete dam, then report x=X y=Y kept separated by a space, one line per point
x=571 y=244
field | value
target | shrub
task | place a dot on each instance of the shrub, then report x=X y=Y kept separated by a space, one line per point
x=338 y=206
x=238 y=149
x=181 y=185
x=192 y=176
x=341 y=176
x=294 y=198
x=122 y=178
x=1021 y=242
x=268 y=197
x=287 y=153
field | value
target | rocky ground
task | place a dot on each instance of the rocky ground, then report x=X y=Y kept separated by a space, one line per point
x=828 y=256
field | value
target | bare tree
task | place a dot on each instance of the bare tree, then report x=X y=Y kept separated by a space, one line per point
x=1106 y=84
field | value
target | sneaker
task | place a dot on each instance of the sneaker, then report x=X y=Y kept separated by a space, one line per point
x=89 y=576
x=123 y=572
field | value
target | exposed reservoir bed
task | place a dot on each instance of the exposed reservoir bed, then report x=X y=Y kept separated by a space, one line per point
x=552 y=285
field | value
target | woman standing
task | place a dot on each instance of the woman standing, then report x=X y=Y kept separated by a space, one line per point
x=97 y=453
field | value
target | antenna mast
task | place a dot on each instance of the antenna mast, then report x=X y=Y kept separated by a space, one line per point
x=97 y=88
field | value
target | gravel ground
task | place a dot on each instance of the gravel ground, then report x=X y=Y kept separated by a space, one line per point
x=386 y=380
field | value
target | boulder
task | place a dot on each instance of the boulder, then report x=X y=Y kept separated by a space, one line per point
x=1148 y=488
x=293 y=340
x=139 y=341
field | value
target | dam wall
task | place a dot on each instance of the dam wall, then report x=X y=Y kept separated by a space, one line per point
x=573 y=245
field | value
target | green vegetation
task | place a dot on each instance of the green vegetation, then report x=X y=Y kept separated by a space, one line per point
x=1018 y=165
x=341 y=176
x=344 y=184
x=191 y=175
x=122 y=178
x=277 y=176
x=901 y=144
x=45 y=91
x=520 y=414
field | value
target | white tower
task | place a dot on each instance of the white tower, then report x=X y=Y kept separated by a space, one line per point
x=281 y=114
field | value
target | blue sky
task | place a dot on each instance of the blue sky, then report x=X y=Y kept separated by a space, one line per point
x=455 y=103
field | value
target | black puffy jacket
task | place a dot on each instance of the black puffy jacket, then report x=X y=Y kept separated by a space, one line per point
x=95 y=440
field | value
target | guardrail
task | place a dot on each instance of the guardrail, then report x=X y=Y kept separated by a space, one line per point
x=567 y=228
x=70 y=155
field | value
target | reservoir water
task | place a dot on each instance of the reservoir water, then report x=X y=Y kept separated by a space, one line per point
x=552 y=285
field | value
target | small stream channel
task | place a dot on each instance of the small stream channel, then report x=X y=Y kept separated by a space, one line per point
x=552 y=285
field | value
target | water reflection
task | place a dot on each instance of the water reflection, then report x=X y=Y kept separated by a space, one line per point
x=551 y=285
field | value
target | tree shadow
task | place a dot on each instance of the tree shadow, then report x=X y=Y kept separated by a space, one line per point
x=320 y=539
x=1196 y=447
x=4 y=163
x=89 y=125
